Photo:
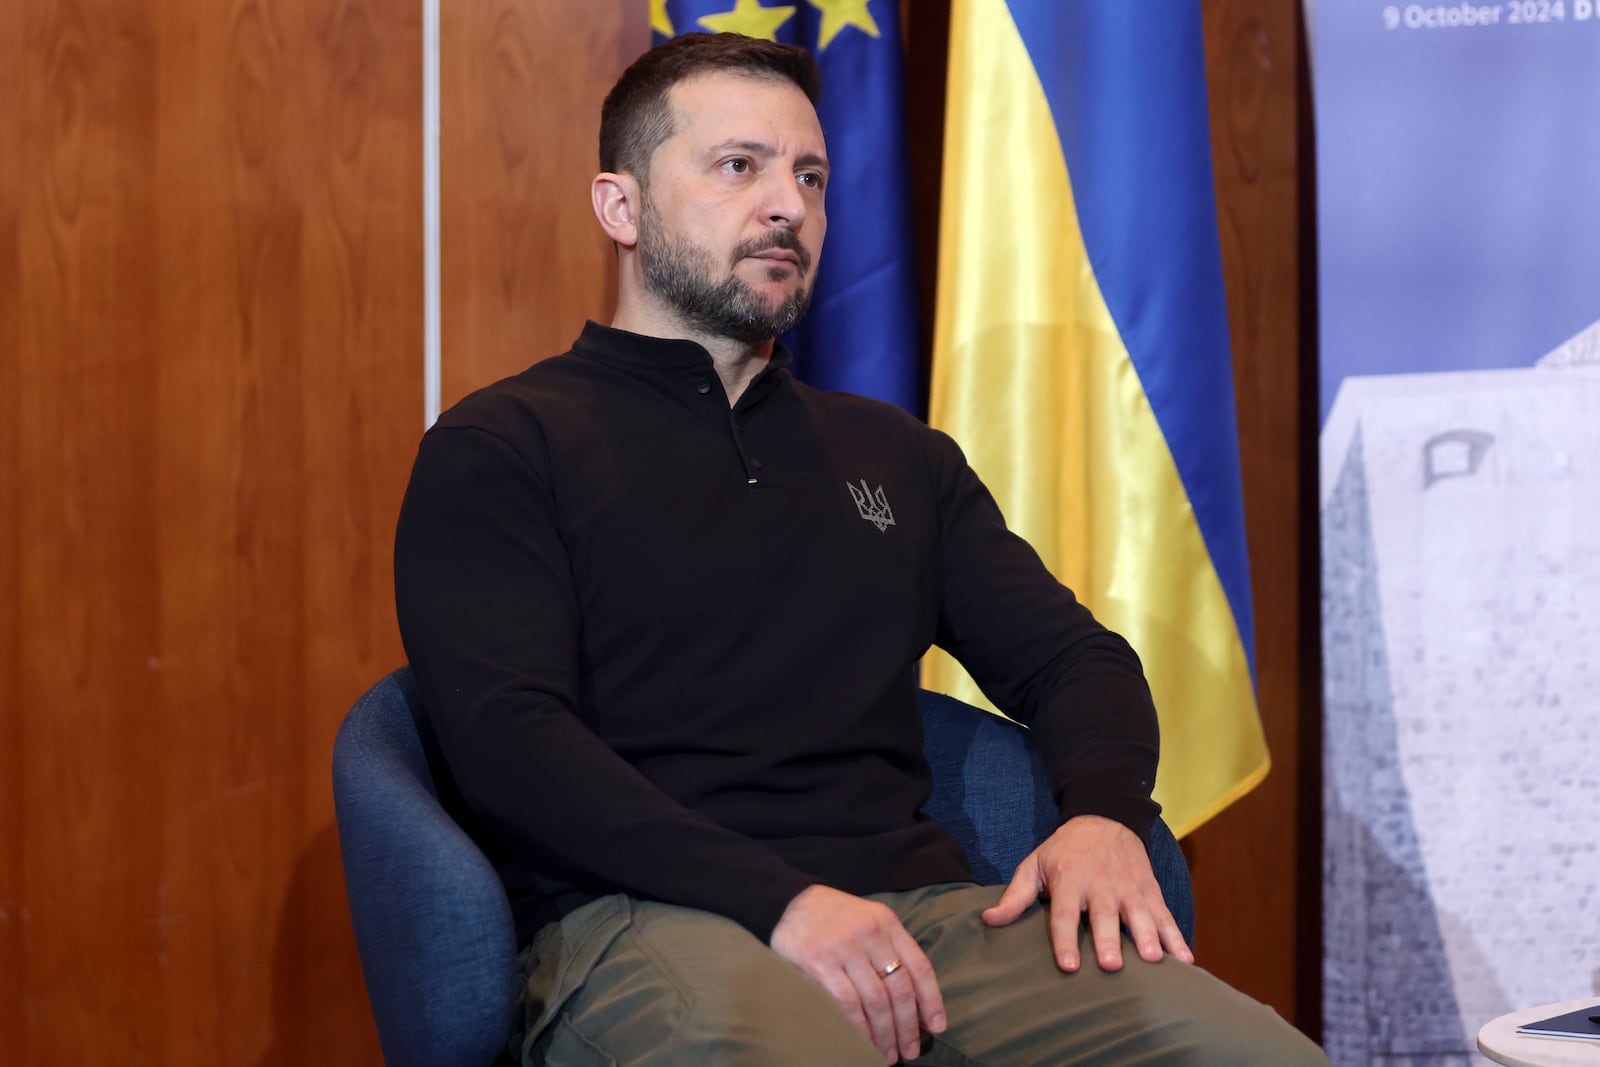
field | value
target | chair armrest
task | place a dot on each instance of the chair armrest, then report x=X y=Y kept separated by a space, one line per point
x=990 y=790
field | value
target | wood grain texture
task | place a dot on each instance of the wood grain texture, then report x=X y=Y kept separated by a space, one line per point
x=1252 y=864
x=84 y=522
x=291 y=385
x=12 y=80
x=216 y=257
x=523 y=260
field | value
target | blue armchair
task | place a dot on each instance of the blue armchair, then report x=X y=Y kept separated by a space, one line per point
x=433 y=926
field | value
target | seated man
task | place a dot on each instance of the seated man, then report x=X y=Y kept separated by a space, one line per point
x=665 y=605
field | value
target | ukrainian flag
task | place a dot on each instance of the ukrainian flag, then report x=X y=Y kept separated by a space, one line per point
x=1081 y=350
x=861 y=333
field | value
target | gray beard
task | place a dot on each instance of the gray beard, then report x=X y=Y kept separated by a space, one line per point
x=680 y=273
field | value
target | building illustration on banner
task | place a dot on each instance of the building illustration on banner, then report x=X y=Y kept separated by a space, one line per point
x=1460 y=519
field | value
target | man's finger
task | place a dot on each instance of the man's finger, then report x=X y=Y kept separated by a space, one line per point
x=910 y=988
x=1106 y=925
x=918 y=973
x=1018 y=897
x=874 y=1000
x=877 y=1003
x=903 y=1005
x=1142 y=927
x=1172 y=937
x=838 y=985
x=1065 y=914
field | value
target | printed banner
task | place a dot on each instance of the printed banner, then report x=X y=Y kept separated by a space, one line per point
x=1458 y=178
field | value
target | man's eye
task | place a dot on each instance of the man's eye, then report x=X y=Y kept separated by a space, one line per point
x=810 y=179
x=737 y=166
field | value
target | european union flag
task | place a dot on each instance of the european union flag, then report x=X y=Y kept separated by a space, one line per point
x=861 y=334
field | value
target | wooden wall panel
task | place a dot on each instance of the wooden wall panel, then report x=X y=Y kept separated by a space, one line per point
x=292 y=386
x=1253 y=865
x=85 y=603
x=211 y=239
x=523 y=260
x=12 y=82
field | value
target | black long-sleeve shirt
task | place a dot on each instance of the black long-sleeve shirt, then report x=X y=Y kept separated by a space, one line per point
x=668 y=648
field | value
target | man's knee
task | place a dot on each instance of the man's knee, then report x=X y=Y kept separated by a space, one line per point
x=1237 y=1031
x=682 y=986
x=1279 y=1045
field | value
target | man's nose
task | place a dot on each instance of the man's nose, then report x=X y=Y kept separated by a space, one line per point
x=784 y=205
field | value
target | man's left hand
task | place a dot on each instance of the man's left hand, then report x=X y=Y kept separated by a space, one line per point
x=1092 y=864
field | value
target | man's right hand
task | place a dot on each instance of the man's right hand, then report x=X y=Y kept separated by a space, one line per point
x=844 y=943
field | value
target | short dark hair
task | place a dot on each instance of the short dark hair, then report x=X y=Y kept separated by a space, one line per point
x=636 y=117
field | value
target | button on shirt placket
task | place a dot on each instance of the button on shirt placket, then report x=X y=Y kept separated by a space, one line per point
x=752 y=467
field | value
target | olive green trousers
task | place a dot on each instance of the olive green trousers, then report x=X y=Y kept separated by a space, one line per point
x=626 y=982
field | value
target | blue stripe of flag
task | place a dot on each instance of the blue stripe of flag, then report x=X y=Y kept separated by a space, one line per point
x=1127 y=92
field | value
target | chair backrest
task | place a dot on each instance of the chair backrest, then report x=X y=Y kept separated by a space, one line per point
x=433 y=926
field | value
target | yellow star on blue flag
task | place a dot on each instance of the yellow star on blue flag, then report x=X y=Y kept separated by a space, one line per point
x=749 y=18
x=659 y=20
x=838 y=14
x=861 y=335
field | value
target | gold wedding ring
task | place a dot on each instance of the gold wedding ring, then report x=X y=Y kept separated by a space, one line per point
x=884 y=972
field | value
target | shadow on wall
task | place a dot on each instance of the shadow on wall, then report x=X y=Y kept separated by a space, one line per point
x=1389 y=987
x=319 y=1002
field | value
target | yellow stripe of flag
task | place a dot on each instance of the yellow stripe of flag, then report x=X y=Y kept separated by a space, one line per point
x=1031 y=376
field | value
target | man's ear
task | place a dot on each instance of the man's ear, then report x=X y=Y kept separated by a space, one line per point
x=617 y=202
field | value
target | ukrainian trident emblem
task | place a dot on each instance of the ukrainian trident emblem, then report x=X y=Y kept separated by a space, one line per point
x=873 y=507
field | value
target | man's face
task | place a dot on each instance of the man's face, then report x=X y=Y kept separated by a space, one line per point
x=732 y=220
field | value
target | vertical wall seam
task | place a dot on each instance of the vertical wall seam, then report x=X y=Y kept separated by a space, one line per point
x=431 y=327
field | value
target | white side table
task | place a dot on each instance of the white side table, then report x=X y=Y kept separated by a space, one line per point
x=1500 y=1041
